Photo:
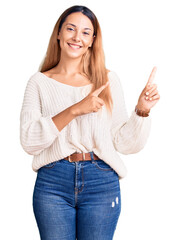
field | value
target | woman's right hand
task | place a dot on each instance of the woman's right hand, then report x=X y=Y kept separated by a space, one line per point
x=91 y=103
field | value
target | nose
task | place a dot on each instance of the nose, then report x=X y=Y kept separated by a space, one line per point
x=76 y=36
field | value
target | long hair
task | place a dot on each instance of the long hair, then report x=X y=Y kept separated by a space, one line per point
x=93 y=60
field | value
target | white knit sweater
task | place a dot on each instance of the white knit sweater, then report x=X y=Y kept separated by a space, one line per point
x=45 y=97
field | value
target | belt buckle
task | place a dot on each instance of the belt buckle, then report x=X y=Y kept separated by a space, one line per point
x=69 y=159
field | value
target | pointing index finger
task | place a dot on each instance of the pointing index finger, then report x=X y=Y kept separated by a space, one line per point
x=152 y=75
x=100 y=89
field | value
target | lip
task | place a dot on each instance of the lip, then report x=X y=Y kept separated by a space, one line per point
x=74 y=45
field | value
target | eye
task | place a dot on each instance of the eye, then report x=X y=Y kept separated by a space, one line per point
x=86 y=33
x=70 y=29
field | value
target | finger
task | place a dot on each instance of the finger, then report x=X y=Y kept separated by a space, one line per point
x=156 y=97
x=152 y=75
x=155 y=92
x=149 y=90
x=100 y=89
x=100 y=101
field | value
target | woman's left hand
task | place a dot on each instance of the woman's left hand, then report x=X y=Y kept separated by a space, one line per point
x=149 y=96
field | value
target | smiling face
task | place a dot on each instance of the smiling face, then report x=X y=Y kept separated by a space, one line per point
x=76 y=35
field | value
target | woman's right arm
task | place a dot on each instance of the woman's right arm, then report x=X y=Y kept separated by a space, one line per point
x=38 y=132
x=63 y=118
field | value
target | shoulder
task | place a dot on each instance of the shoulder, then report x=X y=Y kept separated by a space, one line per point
x=34 y=79
x=112 y=75
x=111 y=72
x=35 y=76
x=48 y=73
x=115 y=82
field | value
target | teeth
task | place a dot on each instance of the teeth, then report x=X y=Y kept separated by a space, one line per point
x=73 y=46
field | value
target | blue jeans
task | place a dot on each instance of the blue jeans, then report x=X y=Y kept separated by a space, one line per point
x=77 y=200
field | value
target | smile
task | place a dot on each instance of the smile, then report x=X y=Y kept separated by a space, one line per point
x=74 y=46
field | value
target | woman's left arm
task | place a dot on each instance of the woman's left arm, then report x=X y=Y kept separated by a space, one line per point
x=130 y=134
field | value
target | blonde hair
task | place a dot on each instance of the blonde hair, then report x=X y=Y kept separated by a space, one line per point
x=93 y=60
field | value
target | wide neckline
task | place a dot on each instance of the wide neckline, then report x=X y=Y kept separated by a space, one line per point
x=64 y=84
x=57 y=82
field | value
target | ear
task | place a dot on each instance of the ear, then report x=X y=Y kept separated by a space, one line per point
x=59 y=35
x=92 y=41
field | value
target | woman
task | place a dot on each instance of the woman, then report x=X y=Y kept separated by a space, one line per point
x=74 y=121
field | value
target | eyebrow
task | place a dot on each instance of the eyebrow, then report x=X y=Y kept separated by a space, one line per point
x=75 y=26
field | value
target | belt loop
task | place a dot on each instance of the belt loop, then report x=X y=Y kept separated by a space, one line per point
x=92 y=158
x=83 y=156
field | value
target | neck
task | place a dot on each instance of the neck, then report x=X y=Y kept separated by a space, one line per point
x=69 y=66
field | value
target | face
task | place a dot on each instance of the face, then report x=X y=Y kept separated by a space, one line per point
x=76 y=35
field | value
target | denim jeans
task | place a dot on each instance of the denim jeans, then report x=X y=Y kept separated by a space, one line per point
x=77 y=200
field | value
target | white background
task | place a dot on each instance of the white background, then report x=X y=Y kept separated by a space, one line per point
x=137 y=35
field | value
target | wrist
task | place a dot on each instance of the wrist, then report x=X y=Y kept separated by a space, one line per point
x=140 y=107
x=74 y=110
x=142 y=112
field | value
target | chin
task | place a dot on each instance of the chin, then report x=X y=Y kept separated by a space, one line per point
x=73 y=55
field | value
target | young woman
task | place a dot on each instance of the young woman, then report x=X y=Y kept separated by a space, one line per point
x=74 y=122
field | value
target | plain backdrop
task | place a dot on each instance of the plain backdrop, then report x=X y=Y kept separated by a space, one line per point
x=137 y=35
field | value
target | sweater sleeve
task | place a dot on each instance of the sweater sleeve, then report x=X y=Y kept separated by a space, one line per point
x=36 y=132
x=129 y=134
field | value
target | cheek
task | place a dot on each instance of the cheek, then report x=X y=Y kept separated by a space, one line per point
x=86 y=42
x=65 y=36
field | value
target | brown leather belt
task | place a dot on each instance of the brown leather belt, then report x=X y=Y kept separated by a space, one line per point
x=75 y=157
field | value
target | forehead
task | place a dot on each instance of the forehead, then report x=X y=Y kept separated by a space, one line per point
x=80 y=20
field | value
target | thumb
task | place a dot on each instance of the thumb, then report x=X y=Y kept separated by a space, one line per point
x=100 y=89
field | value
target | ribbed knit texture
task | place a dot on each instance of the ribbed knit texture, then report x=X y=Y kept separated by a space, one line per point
x=45 y=97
